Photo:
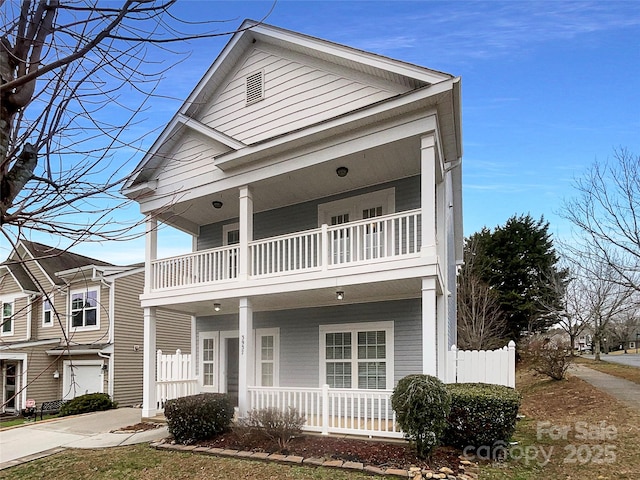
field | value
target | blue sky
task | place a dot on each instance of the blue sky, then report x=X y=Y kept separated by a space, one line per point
x=548 y=87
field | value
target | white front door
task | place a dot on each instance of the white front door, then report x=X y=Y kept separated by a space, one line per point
x=82 y=377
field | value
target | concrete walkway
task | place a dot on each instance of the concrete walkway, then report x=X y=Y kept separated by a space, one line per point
x=623 y=390
x=92 y=430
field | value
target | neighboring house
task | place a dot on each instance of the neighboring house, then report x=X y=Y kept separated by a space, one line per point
x=322 y=187
x=73 y=325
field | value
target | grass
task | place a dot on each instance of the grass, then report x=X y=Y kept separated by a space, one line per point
x=617 y=370
x=142 y=462
x=13 y=421
x=581 y=431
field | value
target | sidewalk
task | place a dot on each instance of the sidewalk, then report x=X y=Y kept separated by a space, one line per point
x=623 y=390
x=92 y=430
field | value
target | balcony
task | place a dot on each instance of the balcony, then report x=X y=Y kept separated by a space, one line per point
x=376 y=239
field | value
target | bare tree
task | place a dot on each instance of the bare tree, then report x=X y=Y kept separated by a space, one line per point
x=606 y=214
x=624 y=327
x=481 y=322
x=65 y=122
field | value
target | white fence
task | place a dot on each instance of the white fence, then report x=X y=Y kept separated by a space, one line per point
x=334 y=410
x=485 y=366
x=174 y=377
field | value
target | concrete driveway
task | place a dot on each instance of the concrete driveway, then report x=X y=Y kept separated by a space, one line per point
x=92 y=430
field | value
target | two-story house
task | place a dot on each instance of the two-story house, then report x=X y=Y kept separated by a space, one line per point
x=73 y=325
x=322 y=187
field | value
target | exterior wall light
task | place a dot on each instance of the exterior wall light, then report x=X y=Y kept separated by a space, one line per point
x=217 y=204
x=339 y=295
x=56 y=374
x=217 y=307
x=342 y=171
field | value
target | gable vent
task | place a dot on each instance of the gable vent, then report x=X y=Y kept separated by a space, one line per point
x=255 y=87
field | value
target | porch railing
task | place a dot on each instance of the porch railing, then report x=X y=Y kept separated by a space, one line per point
x=373 y=239
x=174 y=377
x=334 y=410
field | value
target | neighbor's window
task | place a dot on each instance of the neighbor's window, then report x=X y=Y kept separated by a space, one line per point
x=84 y=309
x=7 y=319
x=47 y=312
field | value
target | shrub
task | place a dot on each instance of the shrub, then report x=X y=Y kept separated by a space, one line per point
x=481 y=414
x=198 y=417
x=91 y=402
x=422 y=404
x=547 y=356
x=278 y=426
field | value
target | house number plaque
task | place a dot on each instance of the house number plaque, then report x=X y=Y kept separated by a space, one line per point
x=242 y=346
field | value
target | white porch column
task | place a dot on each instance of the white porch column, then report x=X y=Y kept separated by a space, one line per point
x=149 y=364
x=428 y=194
x=151 y=250
x=429 y=330
x=246 y=349
x=246 y=231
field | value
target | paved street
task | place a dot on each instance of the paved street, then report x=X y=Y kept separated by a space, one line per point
x=625 y=359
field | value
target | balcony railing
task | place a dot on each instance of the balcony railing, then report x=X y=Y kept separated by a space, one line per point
x=364 y=241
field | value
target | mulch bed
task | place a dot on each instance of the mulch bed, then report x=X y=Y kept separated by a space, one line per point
x=370 y=452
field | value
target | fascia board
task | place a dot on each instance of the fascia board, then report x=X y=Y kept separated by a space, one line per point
x=210 y=132
x=35 y=260
x=233 y=159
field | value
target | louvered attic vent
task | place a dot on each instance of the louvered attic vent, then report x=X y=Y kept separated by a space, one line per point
x=255 y=88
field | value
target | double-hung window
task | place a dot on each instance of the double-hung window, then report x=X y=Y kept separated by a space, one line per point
x=267 y=356
x=7 y=318
x=84 y=309
x=357 y=355
x=47 y=312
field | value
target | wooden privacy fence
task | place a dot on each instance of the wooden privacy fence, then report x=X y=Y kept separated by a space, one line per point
x=174 y=377
x=486 y=366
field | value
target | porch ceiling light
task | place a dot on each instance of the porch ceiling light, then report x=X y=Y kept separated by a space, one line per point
x=217 y=204
x=217 y=307
x=339 y=295
x=342 y=171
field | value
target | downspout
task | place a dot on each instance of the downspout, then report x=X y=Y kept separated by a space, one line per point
x=99 y=276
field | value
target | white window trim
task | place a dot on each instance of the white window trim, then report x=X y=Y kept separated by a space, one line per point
x=66 y=375
x=85 y=328
x=353 y=328
x=216 y=354
x=51 y=304
x=266 y=332
x=230 y=227
x=355 y=205
x=12 y=301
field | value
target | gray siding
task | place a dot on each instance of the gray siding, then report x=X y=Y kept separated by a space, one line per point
x=300 y=342
x=304 y=216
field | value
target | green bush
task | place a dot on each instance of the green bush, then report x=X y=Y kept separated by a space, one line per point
x=481 y=414
x=91 y=402
x=198 y=417
x=422 y=404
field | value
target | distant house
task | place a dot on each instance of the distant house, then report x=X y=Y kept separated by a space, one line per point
x=73 y=325
x=322 y=187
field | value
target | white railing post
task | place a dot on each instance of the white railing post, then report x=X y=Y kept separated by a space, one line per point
x=325 y=243
x=325 y=409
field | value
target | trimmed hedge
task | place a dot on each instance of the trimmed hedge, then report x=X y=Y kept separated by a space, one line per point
x=91 y=402
x=422 y=404
x=481 y=414
x=198 y=417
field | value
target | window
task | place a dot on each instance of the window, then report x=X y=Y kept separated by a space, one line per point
x=209 y=361
x=47 y=312
x=267 y=357
x=84 y=309
x=255 y=87
x=357 y=355
x=7 y=319
x=373 y=235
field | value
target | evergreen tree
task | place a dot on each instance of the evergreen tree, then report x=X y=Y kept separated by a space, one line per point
x=519 y=262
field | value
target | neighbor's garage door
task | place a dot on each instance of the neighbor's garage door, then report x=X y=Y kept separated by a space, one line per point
x=81 y=379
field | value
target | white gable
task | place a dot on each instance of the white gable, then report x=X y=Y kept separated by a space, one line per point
x=298 y=91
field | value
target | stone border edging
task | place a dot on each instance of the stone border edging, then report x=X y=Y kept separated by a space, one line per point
x=471 y=470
